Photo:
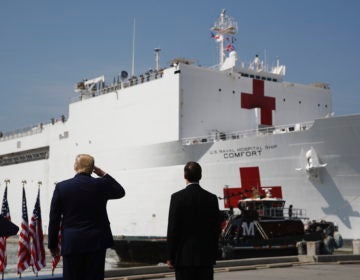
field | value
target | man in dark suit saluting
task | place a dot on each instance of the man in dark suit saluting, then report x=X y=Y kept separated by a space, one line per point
x=80 y=203
x=193 y=229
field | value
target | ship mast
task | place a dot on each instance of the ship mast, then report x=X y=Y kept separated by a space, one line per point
x=224 y=25
x=157 y=58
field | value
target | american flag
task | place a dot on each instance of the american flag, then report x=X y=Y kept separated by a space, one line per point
x=5 y=212
x=24 y=253
x=37 y=238
x=55 y=260
x=230 y=48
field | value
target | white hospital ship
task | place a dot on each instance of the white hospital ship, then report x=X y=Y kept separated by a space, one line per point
x=143 y=129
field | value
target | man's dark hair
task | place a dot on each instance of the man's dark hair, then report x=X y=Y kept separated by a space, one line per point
x=192 y=171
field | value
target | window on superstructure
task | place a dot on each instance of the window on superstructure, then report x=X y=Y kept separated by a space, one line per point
x=24 y=156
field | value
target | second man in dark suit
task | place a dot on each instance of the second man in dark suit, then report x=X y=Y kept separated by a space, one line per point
x=193 y=229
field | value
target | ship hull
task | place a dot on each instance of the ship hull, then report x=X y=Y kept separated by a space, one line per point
x=331 y=194
x=151 y=173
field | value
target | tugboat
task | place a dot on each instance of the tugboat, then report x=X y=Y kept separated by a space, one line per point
x=258 y=224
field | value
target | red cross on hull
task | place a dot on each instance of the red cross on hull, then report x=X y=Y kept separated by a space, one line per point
x=250 y=186
x=259 y=100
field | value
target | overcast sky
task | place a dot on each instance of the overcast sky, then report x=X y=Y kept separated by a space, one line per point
x=47 y=46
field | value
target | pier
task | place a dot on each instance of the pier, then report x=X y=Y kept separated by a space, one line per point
x=329 y=267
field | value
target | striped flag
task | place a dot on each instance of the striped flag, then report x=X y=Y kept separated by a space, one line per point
x=37 y=238
x=55 y=260
x=230 y=48
x=24 y=253
x=217 y=37
x=5 y=212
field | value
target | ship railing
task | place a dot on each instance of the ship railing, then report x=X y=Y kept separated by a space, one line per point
x=30 y=130
x=248 y=70
x=217 y=136
x=279 y=212
x=119 y=84
x=297 y=213
x=18 y=133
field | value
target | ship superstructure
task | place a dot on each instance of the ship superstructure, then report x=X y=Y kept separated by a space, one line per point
x=143 y=129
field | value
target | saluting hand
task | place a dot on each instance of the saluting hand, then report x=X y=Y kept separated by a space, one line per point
x=98 y=171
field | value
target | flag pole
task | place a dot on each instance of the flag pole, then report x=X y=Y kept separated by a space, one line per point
x=39 y=184
x=37 y=245
x=53 y=268
x=7 y=181
x=23 y=184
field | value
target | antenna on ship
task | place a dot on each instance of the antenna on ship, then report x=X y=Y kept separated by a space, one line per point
x=224 y=25
x=133 y=51
x=157 y=58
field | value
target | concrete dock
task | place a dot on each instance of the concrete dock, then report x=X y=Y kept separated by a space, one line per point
x=298 y=272
x=293 y=267
x=345 y=267
x=342 y=265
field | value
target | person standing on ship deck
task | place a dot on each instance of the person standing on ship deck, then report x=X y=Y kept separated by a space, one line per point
x=193 y=229
x=80 y=205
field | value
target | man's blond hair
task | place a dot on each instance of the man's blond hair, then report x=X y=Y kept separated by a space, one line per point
x=84 y=164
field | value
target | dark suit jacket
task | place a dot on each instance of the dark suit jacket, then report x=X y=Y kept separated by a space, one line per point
x=82 y=203
x=193 y=227
x=7 y=228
